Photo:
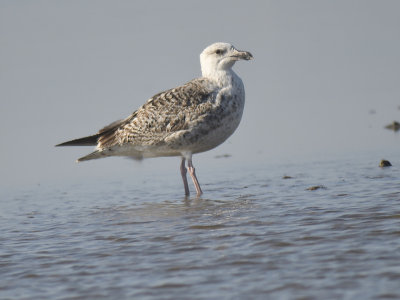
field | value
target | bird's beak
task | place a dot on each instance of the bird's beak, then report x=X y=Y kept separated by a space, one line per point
x=238 y=55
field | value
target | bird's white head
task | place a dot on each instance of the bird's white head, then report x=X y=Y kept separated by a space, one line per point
x=220 y=57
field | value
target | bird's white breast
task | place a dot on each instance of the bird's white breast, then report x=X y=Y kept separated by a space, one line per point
x=229 y=102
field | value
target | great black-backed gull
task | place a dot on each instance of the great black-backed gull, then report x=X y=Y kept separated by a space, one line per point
x=182 y=121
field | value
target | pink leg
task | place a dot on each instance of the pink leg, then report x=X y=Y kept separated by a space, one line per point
x=183 y=173
x=194 y=178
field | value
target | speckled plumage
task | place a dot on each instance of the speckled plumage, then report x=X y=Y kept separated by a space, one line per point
x=188 y=119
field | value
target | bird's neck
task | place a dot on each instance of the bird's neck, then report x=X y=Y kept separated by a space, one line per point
x=220 y=77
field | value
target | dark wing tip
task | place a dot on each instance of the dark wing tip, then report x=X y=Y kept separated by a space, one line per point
x=85 y=141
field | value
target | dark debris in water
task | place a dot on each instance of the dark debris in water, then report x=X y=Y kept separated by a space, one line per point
x=316 y=187
x=385 y=163
x=223 y=156
x=395 y=126
x=287 y=177
x=342 y=195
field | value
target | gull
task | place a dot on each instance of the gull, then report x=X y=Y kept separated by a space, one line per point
x=189 y=119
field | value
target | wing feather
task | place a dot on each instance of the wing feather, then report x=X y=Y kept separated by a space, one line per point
x=162 y=115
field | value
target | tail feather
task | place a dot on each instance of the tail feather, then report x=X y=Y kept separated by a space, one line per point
x=105 y=136
x=85 y=141
x=94 y=155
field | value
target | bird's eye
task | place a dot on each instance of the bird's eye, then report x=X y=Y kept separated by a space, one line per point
x=219 y=51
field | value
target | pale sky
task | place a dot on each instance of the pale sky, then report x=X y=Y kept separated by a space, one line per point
x=67 y=68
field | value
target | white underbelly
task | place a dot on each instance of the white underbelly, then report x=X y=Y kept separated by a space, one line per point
x=216 y=136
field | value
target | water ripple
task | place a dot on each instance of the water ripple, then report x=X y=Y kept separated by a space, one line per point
x=254 y=235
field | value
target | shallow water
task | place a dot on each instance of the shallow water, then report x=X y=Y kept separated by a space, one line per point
x=253 y=235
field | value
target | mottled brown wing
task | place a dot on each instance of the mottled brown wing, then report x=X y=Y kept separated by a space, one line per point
x=162 y=115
